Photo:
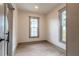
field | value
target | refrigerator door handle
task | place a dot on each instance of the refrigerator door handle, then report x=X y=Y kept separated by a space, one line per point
x=1 y=39
x=7 y=37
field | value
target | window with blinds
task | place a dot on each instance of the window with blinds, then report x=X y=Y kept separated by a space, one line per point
x=34 y=27
x=62 y=18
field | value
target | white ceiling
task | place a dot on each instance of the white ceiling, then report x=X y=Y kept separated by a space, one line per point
x=43 y=7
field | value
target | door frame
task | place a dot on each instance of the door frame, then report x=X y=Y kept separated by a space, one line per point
x=10 y=30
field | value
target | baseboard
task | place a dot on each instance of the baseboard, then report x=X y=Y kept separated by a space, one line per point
x=33 y=42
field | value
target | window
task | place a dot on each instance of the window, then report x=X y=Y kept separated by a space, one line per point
x=34 y=27
x=62 y=18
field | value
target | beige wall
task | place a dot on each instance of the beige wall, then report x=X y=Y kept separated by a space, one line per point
x=23 y=28
x=73 y=29
x=53 y=27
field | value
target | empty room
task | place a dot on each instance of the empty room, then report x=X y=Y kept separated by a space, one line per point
x=39 y=29
x=35 y=29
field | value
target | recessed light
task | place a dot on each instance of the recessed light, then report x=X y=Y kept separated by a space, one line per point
x=36 y=7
